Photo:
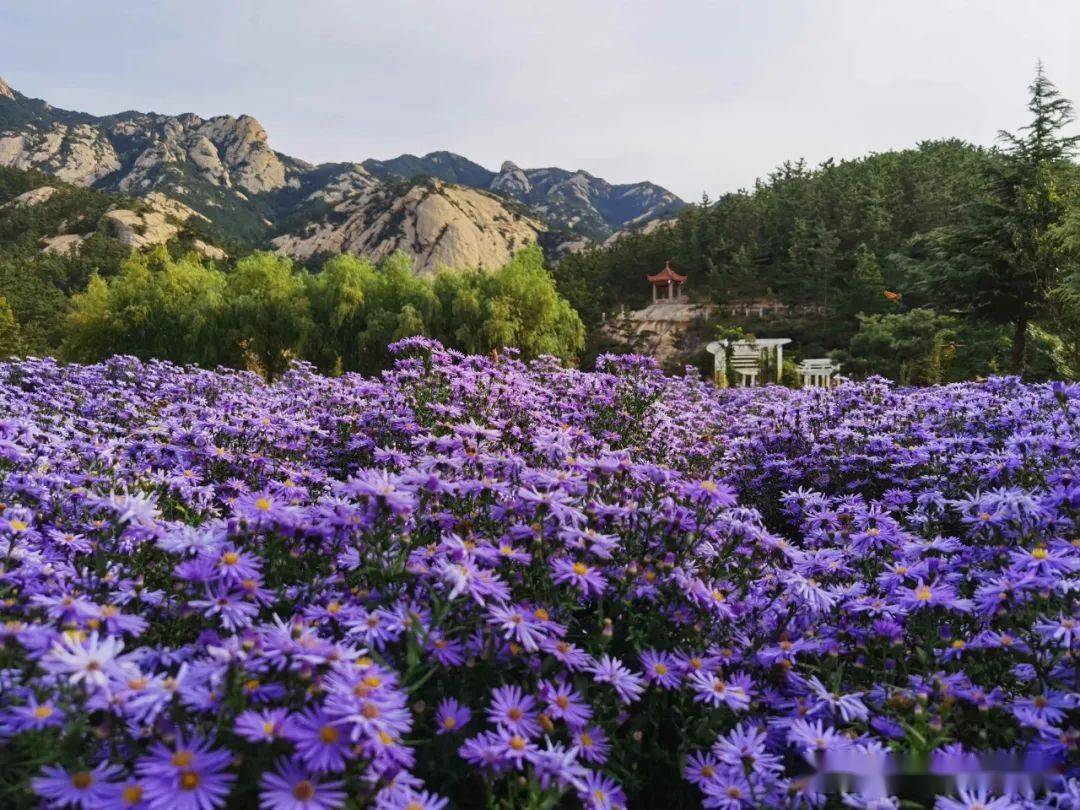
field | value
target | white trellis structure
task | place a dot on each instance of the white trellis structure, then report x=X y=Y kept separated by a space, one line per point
x=748 y=357
x=818 y=372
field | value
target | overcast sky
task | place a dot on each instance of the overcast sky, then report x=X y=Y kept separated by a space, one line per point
x=694 y=95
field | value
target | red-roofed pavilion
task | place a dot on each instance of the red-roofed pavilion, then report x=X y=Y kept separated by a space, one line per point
x=668 y=281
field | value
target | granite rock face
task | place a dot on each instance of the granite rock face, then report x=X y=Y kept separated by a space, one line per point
x=224 y=170
x=79 y=154
x=438 y=224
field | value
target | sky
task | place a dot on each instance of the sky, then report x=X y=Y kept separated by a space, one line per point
x=694 y=95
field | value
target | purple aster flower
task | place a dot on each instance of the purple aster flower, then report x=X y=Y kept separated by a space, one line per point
x=289 y=787
x=189 y=776
x=320 y=741
x=36 y=716
x=90 y=662
x=515 y=748
x=600 y=792
x=518 y=624
x=611 y=670
x=700 y=768
x=815 y=737
x=744 y=747
x=514 y=711
x=565 y=703
x=87 y=789
x=409 y=798
x=974 y=800
x=660 y=668
x=734 y=692
x=926 y=595
x=1064 y=631
x=849 y=707
x=592 y=744
x=265 y=726
x=728 y=790
x=582 y=576
x=572 y=657
x=451 y=717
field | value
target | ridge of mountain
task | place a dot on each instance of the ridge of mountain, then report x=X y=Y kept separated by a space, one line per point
x=224 y=169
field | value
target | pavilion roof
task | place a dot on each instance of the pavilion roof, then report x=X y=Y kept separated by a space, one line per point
x=667 y=274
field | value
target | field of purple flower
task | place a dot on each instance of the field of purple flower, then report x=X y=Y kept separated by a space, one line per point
x=474 y=582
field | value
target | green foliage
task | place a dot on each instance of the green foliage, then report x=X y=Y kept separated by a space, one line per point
x=908 y=347
x=154 y=307
x=825 y=237
x=37 y=303
x=266 y=311
x=516 y=305
x=1001 y=261
x=10 y=335
x=266 y=314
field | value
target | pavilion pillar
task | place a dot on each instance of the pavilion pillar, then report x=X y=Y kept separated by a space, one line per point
x=779 y=362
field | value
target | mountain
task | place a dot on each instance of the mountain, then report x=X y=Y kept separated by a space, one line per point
x=573 y=202
x=39 y=212
x=224 y=169
x=439 y=224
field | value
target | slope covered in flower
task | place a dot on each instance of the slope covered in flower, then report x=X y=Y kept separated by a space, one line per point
x=490 y=584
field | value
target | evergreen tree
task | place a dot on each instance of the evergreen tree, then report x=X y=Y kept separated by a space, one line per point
x=1003 y=261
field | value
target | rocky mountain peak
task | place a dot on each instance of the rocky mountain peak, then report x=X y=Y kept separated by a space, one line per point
x=438 y=224
x=224 y=168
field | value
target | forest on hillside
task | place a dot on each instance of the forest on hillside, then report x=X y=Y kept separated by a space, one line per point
x=941 y=262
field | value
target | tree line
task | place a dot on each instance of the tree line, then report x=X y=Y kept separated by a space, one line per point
x=266 y=311
x=943 y=261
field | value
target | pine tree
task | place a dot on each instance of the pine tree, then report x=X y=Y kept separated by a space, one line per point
x=1003 y=260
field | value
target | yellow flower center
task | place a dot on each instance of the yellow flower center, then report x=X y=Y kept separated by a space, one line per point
x=82 y=780
x=19 y=525
x=304 y=790
x=517 y=743
x=132 y=794
x=449 y=722
x=230 y=558
x=189 y=780
x=923 y=594
x=181 y=759
x=329 y=734
x=41 y=712
x=1040 y=553
x=581 y=569
x=263 y=504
